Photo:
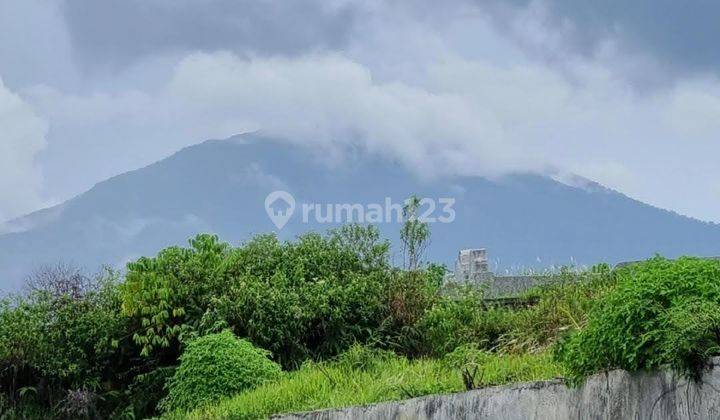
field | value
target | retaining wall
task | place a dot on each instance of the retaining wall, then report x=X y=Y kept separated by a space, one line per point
x=617 y=394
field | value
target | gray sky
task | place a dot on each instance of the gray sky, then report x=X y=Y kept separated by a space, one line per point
x=624 y=93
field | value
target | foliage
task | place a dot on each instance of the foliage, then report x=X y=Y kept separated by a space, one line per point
x=345 y=382
x=661 y=312
x=408 y=296
x=79 y=346
x=309 y=299
x=69 y=340
x=364 y=242
x=140 y=397
x=436 y=275
x=414 y=235
x=169 y=294
x=560 y=308
x=215 y=366
x=462 y=319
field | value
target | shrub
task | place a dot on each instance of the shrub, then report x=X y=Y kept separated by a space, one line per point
x=409 y=295
x=140 y=398
x=309 y=299
x=462 y=319
x=216 y=366
x=661 y=312
x=169 y=294
x=55 y=340
x=467 y=356
x=560 y=308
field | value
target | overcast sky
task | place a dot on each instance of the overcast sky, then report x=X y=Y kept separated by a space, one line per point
x=624 y=93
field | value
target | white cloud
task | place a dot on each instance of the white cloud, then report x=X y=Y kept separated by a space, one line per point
x=444 y=98
x=22 y=136
x=328 y=99
x=476 y=117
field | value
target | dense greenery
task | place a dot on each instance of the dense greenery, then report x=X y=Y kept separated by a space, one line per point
x=558 y=310
x=55 y=347
x=110 y=346
x=309 y=298
x=215 y=366
x=449 y=323
x=660 y=312
x=359 y=378
x=194 y=324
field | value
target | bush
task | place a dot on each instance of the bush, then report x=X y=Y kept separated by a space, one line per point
x=561 y=308
x=312 y=298
x=168 y=294
x=409 y=295
x=462 y=319
x=216 y=366
x=55 y=340
x=661 y=312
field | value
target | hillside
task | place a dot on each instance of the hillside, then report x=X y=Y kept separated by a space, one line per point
x=524 y=220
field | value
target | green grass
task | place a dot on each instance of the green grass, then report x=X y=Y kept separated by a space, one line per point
x=383 y=378
x=560 y=308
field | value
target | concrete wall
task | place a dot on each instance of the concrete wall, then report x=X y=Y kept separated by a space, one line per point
x=510 y=286
x=615 y=395
x=495 y=287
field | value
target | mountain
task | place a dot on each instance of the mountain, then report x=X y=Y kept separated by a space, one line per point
x=220 y=186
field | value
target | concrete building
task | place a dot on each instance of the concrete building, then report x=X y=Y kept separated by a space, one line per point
x=471 y=265
x=471 y=268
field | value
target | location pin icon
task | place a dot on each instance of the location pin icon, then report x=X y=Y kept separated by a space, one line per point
x=279 y=206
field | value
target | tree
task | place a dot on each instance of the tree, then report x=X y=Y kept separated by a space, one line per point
x=415 y=234
x=61 y=279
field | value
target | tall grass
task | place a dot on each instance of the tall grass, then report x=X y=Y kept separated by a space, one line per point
x=560 y=308
x=353 y=380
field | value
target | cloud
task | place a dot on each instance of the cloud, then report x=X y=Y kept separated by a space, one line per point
x=35 y=45
x=22 y=136
x=321 y=100
x=115 y=36
x=680 y=36
x=476 y=117
x=445 y=90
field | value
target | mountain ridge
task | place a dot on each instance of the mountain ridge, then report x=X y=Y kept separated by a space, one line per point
x=219 y=186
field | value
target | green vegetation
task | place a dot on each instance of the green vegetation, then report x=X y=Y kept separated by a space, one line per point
x=660 y=312
x=352 y=380
x=558 y=310
x=327 y=321
x=414 y=234
x=60 y=338
x=449 y=323
x=306 y=299
x=215 y=366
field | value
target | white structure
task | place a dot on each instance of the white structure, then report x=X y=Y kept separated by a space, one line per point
x=471 y=265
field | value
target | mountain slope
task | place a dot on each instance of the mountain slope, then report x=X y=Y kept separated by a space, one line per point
x=220 y=186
